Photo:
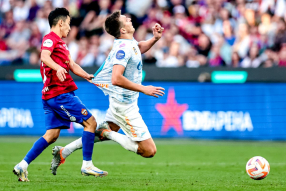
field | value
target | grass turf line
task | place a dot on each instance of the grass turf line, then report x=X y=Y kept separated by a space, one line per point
x=178 y=165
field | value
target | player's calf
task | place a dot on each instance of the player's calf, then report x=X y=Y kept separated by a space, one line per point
x=52 y=135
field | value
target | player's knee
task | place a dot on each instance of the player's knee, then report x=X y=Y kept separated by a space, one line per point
x=90 y=124
x=54 y=139
x=150 y=152
x=153 y=152
x=51 y=137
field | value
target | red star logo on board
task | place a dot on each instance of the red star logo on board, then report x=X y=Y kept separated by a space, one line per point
x=172 y=112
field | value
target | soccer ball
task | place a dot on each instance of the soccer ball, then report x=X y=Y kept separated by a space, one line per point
x=257 y=168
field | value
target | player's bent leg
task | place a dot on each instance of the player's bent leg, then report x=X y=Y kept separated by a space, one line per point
x=113 y=126
x=88 y=169
x=61 y=153
x=90 y=124
x=20 y=170
x=147 y=148
x=52 y=135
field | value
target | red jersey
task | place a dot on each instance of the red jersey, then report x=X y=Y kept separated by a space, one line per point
x=60 y=55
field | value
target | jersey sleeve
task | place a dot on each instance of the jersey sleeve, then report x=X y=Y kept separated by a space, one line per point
x=121 y=57
x=49 y=43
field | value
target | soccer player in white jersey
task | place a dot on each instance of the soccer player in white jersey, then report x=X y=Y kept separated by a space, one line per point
x=120 y=77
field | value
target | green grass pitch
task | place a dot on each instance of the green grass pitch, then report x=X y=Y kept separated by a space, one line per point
x=178 y=165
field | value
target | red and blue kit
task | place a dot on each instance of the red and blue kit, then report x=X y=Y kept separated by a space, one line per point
x=60 y=55
x=61 y=106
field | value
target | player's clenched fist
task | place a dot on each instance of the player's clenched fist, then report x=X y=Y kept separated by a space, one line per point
x=89 y=78
x=157 y=31
x=61 y=73
x=153 y=91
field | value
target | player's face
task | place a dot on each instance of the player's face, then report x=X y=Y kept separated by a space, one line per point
x=65 y=27
x=127 y=24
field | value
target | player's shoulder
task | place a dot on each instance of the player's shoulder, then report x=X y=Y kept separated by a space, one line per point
x=50 y=39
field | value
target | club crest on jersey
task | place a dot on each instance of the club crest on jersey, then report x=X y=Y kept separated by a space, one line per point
x=84 y=112
x=120 y=54
x=135 y=50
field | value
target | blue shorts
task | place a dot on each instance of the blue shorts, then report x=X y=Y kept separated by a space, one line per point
x=63 y=109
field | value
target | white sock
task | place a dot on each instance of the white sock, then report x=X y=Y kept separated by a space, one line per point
x=73 y=146
x=86 y=163
x=123 y=140
x=24 y=164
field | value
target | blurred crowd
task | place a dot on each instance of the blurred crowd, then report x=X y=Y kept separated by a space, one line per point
x=198 y=33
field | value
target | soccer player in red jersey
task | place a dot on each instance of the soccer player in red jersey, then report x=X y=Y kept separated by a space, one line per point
x=59 y=101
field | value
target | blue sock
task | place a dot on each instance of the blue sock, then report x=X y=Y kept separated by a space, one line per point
x=38 y=147
x=87 y=145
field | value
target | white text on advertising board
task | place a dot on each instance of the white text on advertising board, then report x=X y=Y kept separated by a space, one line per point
x=207 y=121
x=15 y=118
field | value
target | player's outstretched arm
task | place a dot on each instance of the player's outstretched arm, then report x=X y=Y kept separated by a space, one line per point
x=46 y=58
x=144 y=46
x=119 y=80
x=77 y=70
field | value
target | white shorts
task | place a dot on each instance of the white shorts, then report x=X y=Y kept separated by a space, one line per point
x=128 y=118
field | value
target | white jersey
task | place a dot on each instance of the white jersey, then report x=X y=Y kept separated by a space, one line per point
x=126 y=53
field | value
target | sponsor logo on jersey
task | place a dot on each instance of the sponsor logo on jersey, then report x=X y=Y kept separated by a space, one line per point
x=139 y=66
x=135 y=50
x=120 y=54
x=45 y=89
x=48 y=43
x=72 y=118
x=121 y=45
x=66 y=46
x=84 y=112
x=102 y=85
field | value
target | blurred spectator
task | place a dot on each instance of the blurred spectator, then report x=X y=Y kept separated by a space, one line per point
x=20 y=36
x=242 y=43
x=268 y=63
x=171 y=58
x=42 y=22
x=282 y=56
x=198 y=33
x=192 y=61
x=33 y=10
x=228 y=32
x=34 y=58
x=235 y=60
x=148 y=57
x=214 y=57
x=82 y=50
x=20 y=11
x=280 y=36
x=252 y=60
x=36 y=37
x=204 y=45
x=3 y=45
x=8 y=23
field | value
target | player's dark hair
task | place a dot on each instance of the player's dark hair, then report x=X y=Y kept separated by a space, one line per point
x=113 y=25
x=56 y=15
